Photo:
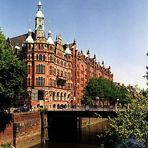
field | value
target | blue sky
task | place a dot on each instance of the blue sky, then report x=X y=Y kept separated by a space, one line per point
x=115 y=30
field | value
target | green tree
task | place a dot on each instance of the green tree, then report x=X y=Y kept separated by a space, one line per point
x=106 y=90
x=12 y=74
x=130 y=124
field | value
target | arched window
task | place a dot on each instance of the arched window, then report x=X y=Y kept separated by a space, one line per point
x=58 y=61
x=40 y=95
x=55 y=71
x=42 y=45
x=43 y=57
x=68 y=97
x=61 y=73
x=40 y=69
x=29 y=69
x=68 y=65
x=40 y=57
x=51 y=70
x=53 y=95
x=57 y=95
x=61 y=63
x=65 y=96
x=50 y=83
x=61 y=96
x=50 y=58
x=40 y=81
x=28 y=81
x=55 y=60
x=37 y=57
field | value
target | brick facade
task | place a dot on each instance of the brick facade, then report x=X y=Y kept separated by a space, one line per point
x=56 y=73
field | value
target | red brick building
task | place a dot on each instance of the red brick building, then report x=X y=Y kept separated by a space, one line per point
x=56 y=73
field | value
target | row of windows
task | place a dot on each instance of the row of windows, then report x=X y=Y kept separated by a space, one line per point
x=40 y=81
x=58 y=72
x=40 y=69
x=42 y=46
x=40 y=57
x=53 y=83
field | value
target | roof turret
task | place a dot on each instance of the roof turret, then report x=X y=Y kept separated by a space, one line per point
x=50 y=40
x=29 y=38
x=67 y=51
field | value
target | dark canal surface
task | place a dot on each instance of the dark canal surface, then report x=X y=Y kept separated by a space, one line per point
x=85 y=138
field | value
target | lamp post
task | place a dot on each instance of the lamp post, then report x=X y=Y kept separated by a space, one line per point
x=117 y=103
x=97 y=99
x=74 y=104
x=29 y=100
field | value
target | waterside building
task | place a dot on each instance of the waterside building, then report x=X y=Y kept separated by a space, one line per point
x=57 y=73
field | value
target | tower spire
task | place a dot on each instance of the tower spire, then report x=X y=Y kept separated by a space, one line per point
x=39 y=21
x=39 y=6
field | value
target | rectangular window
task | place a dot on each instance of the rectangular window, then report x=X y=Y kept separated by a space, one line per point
x=50 y=70
x=40 y=81
x=40 y=69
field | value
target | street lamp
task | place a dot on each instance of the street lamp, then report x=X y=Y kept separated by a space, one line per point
x=97 y=99
x=117 y=103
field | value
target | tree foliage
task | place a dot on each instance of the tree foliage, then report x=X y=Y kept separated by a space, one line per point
x=130 y=125
x=12 y=74
x=107 y=90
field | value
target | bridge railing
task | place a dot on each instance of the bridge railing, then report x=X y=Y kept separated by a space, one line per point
x=81 y=108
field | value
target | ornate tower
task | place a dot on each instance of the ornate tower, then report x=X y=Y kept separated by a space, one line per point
x=39 y=22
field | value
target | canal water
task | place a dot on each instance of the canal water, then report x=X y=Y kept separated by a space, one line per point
x=86 y=137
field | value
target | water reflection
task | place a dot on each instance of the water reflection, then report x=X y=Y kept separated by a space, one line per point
x=87 y=136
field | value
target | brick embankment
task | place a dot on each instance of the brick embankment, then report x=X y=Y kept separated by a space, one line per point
x=24 y=129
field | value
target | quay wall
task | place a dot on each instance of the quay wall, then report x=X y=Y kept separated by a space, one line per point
x=20 y=128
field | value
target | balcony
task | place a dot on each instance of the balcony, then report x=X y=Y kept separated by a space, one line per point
x=61 y=80
x=61 y=77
